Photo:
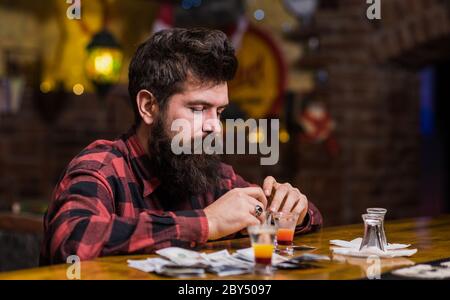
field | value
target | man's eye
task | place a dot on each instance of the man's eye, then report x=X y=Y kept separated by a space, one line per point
x=196 y=109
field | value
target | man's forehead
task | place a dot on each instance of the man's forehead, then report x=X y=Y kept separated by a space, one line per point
x=208 y=94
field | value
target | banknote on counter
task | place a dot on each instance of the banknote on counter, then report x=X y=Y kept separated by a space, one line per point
x=179 y=262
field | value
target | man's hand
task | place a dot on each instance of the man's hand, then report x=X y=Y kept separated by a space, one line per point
x=234 y=211
x=285 y=198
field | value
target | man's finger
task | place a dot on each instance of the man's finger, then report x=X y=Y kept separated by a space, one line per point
x=244 y=232
x=268 y=185
x=257 y=193
x=252 y=209
x=252 y=220
x=280 y=193
x=301 y=208
x=291 y=201
x=253 y=202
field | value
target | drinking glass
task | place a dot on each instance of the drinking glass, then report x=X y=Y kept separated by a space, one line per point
x=285 y=223
x=381 y=212
x=262 y=238
x=372 y=233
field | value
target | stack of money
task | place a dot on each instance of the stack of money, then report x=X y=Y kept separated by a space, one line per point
x=179 y=262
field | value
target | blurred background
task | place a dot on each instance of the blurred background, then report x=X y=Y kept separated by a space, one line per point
x=361 y=102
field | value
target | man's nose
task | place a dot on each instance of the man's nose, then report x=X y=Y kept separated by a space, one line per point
x=212 y=125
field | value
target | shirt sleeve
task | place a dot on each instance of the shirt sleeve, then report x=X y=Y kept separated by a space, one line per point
x=312 y=222
x=81 y=221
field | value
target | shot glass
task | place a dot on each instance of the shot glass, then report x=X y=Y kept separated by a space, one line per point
x=285 y=223
x=372 y=233
x=381 y=212
x=262 y=238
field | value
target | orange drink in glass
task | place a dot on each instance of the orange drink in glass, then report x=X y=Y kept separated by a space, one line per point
x=263 y=253
x=262 y=238
x=285 y=236
x=285 y=223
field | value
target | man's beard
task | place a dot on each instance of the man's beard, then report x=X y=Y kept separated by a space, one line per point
x=181 y=175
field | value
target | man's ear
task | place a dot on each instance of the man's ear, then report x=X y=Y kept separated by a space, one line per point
x=147 y=106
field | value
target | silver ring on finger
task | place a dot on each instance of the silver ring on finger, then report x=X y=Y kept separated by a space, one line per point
x=258 y=210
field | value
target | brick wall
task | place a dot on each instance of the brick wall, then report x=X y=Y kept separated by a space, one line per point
x=373 y=98
x=34 y=152
x=373 y=94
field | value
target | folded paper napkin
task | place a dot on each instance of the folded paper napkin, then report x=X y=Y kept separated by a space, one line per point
x=352 y=249
x=424 y=271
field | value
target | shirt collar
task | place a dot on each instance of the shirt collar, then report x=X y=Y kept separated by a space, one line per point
x=140 y=162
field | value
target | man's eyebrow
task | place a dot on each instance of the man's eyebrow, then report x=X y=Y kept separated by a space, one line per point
x=204 y=103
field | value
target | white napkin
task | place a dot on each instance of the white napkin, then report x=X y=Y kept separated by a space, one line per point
x=423 y=271
x=352 y=249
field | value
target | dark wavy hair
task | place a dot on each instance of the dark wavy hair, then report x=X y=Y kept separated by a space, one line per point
x=164 y=62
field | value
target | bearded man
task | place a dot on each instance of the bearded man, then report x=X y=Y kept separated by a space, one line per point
x=134 y=194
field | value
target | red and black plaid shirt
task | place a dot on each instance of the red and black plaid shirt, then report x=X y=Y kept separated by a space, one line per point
x=107 y=203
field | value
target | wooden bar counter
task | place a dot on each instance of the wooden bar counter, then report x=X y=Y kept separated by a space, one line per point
x=431 y=236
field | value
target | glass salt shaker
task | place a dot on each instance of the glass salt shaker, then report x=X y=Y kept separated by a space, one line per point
x=372 y=232
x=381 y=212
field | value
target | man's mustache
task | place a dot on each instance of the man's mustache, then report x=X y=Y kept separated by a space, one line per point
x=198 y=143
